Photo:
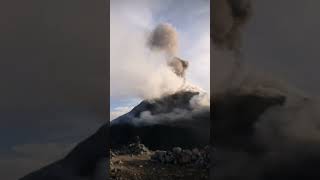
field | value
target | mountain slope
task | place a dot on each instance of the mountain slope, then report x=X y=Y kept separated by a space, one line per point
x=170 y=121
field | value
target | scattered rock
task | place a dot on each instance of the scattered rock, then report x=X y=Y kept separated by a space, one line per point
x=138 y=162
x=135 y=148
x=183 y=156
x=177 y=150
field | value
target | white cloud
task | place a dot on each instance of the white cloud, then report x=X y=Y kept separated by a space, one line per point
x=199 y=53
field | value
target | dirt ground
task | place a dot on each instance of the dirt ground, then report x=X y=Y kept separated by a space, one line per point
x=141 y=167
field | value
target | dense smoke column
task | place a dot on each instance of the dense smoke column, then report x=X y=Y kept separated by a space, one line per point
x=179 y=66
x=165 y=38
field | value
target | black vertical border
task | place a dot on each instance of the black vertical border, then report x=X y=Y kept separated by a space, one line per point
x=107 y=25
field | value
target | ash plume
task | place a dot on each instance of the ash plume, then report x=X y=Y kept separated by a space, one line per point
x=144 y=72
x=164 y=38
x=144 y=55
x=178 y=66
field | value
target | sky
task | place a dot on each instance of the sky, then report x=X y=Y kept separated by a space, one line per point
x=191 y=19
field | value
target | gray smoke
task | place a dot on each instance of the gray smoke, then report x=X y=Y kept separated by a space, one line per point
x=178 y=66
x=195 y=106
x=164 y=38
x=144 y=73
x=144 y=55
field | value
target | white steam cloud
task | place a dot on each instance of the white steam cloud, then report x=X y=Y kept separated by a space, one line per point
x=136 y=70
x=144 y=53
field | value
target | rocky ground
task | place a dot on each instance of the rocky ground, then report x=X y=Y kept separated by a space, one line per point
x=137 y=162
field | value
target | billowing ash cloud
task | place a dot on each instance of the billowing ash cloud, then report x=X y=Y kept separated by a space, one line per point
x=262 y=127
x=144 y=55
x=165 y=38
x=194 y=106
x=178 y=66
x=136 y=70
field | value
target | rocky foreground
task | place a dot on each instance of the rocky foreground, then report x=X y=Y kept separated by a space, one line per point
x=136 y=162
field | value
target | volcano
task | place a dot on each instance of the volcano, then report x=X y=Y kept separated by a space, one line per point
x=174 y=123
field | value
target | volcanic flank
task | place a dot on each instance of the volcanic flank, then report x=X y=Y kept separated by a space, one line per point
x=164 y=123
